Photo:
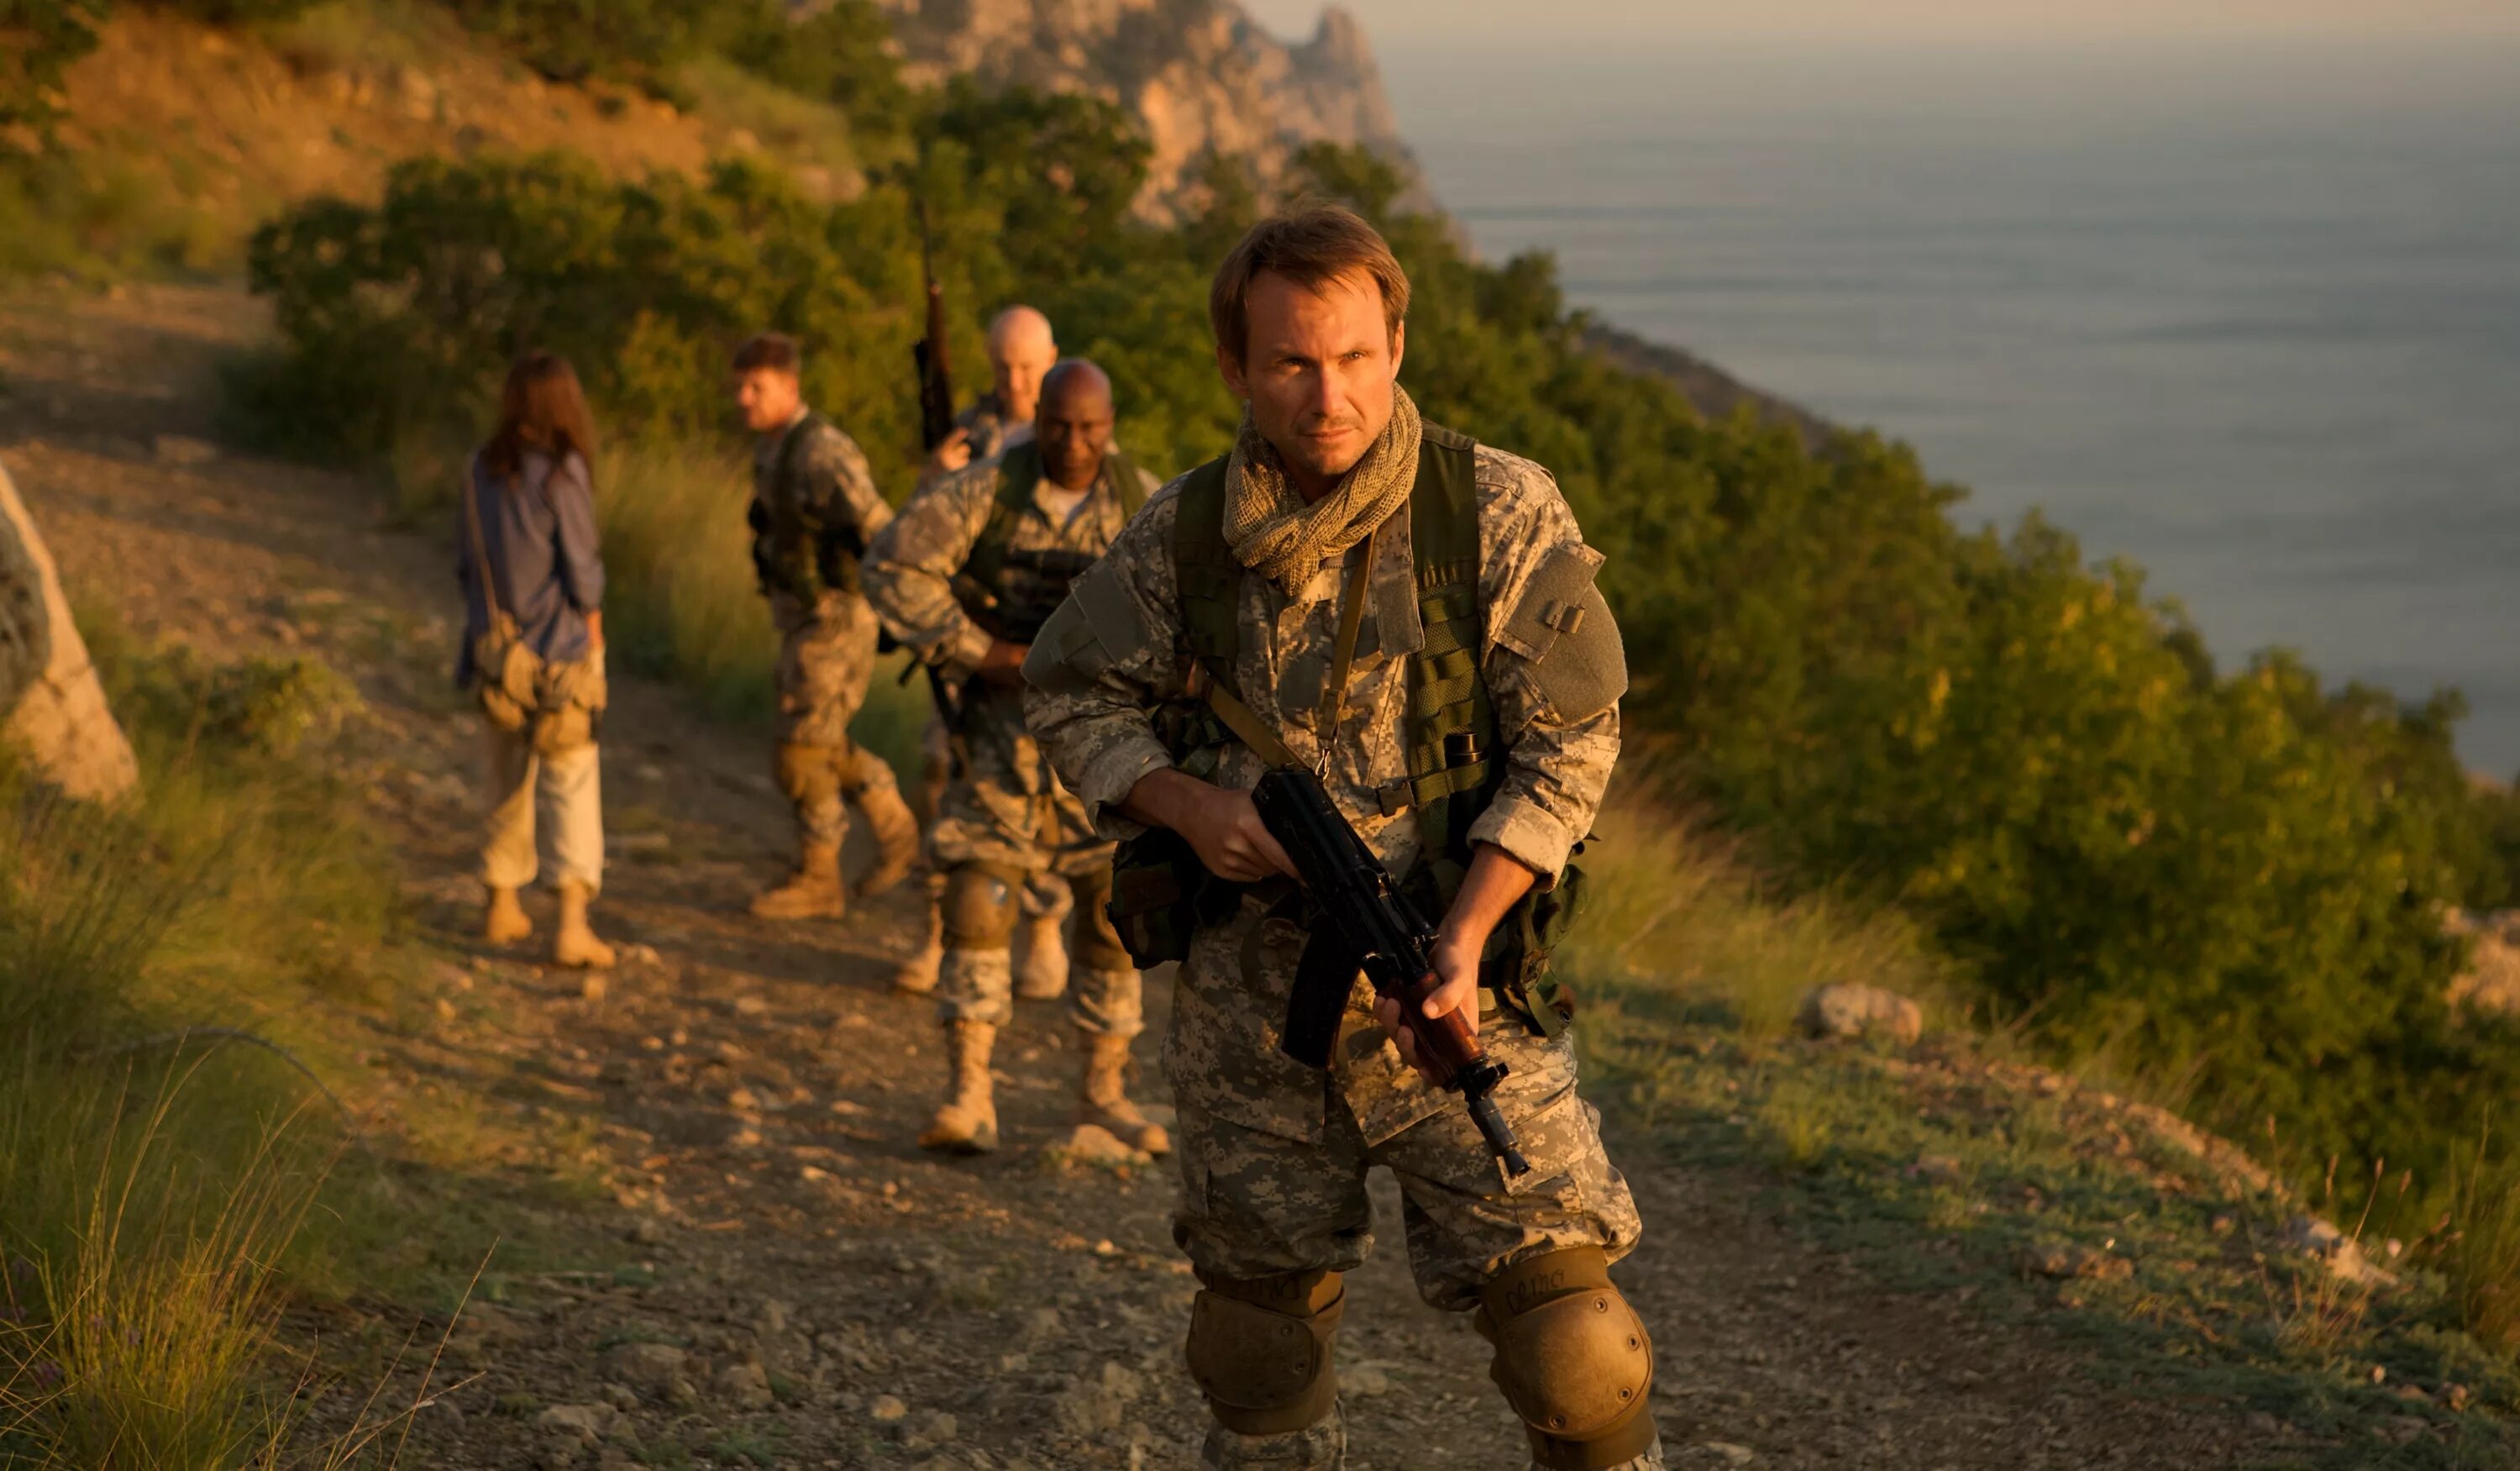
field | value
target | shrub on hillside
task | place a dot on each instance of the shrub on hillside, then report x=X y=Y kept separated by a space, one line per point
x=38 y=40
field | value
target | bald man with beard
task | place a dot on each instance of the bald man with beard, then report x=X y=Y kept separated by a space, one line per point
x=963 y=576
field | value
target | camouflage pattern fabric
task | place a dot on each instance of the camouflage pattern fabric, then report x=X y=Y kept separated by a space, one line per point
x=1274 y=1160
x=826 y=658
x=1094 y=719
x=1004 y=806
x=808 y=500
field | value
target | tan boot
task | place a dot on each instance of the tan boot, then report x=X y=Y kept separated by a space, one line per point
x=896 y=836
x=574 y=942
x=967 y=1123
x=504 y=921
x=1042 y=974
x=1105 y=1101
x=812 y=892
x=917 y=975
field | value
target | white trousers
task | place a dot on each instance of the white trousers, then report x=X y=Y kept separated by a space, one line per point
x=546 y=814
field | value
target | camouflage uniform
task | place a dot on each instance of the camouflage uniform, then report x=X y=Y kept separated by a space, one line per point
x=814 y=507
x=1272 y=1162
x=1004 y=818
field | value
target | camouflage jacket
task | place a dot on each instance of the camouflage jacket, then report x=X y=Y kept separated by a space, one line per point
x=914 y=576
x=1094 y=712
x=814 y=509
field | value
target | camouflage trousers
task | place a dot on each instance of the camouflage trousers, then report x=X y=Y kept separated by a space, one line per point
x=826 y=658
x=975 y=979
x=1256 y=1204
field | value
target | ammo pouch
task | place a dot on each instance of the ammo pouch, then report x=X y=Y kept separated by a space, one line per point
x=569 y=707
x=507 y=675
x=1518 y=963
x=1159 y=893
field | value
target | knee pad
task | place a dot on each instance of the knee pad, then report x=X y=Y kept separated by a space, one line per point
x=980 y=908
x=1095 y=944
x=1260 y=1350
x=1572 y=1357
x=809 y=774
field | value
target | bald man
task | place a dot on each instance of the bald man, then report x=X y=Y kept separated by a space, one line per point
x=964 y=576
x=1021 y=353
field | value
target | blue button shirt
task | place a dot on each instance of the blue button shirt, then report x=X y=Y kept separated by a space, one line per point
x=540 y=543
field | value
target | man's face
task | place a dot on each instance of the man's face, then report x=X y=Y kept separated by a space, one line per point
x=1073 y=428
x=767 y=397
x=1318 y=371
x=1019 y=359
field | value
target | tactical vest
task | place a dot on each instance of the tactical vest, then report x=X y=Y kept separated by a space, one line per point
x=786 y=555
x=1452 y=767
x=1011 y=593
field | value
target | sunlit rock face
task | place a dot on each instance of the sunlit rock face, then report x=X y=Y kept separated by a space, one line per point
x=1206 y=78
x=53 y=715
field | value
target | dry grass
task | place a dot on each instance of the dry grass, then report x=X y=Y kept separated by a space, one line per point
x=2481 y=1251
x=1674 y=909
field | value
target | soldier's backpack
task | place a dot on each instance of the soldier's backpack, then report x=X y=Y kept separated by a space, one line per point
x=1161 y=892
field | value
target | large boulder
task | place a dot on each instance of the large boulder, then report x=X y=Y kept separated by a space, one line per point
x=53 y=715
x=2490 y=983
x=1845 y=1012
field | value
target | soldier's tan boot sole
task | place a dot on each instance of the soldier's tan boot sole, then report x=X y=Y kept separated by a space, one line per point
x=1105 y=1102
x=504 y=921
x=801 y=899
x=968 y=1120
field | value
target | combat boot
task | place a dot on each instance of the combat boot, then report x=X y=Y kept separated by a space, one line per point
x=917 y=975
x=967 y=1123
x=504 y=921
x=1042 y=976
x=574 y=942
x=812 y=892
x=1104 y=1099
x=896 y=838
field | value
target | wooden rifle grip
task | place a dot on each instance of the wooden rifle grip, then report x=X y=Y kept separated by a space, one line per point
x=1447 y=1041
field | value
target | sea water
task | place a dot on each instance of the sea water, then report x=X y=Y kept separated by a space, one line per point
x=2248 y=314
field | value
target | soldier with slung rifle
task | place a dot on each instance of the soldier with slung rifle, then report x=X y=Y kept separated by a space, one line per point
x=814 y=509
x=964 y=576
x=1366 y=600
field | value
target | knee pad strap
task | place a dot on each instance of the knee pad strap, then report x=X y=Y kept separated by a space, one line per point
x=1260 y=1350
x=1573 y=1358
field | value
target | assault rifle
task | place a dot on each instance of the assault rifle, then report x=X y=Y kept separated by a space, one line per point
x=935 y=368
x=1366 y=924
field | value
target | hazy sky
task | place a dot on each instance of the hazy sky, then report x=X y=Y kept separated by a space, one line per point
x=1388 y=20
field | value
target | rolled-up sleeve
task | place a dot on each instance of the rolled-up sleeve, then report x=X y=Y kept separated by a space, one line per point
x=1557 y=763
x=910 y=568
x=571 y=495
x=1104 y=664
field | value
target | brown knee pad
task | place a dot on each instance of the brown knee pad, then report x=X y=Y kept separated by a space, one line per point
x=810 y=773
x=1572 y=1357
x=980 y=907
x=1260 y=1350
x=1092 y=941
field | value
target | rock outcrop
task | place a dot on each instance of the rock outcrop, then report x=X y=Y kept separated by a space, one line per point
x=1204 y=77
x=2490 y=983
x=52 y=714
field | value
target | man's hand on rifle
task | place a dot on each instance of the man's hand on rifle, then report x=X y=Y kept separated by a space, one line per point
x=1003 y=664
x=1222 y=827
x=1495 y=884
x=952 y=453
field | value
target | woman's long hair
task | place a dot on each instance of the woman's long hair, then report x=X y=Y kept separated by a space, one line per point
x=542 y=408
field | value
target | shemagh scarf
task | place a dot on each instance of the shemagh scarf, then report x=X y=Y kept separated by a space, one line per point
x=1274 y=534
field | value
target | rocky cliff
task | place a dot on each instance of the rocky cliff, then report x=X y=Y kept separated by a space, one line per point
x=1206 y=78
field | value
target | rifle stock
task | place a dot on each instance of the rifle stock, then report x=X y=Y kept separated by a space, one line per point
x=935 y=366
x=1370 y=925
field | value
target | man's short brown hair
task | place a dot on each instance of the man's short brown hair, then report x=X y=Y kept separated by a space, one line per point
x=1311 y=247
x=774 y=350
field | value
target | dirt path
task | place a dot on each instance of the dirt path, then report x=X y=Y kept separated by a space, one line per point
x=797 y=1285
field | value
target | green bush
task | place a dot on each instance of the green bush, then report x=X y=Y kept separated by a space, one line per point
x=2232 y=882
x=38 y=40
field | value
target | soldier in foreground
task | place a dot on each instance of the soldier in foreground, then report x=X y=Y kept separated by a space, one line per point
x=1412 y=617
x=1023 y=351
x=814 y=509
x=964 y=576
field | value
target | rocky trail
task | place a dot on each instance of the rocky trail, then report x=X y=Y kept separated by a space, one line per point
x=785 y=1280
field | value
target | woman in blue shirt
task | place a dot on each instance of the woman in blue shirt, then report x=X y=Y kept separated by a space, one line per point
x=529 y=525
